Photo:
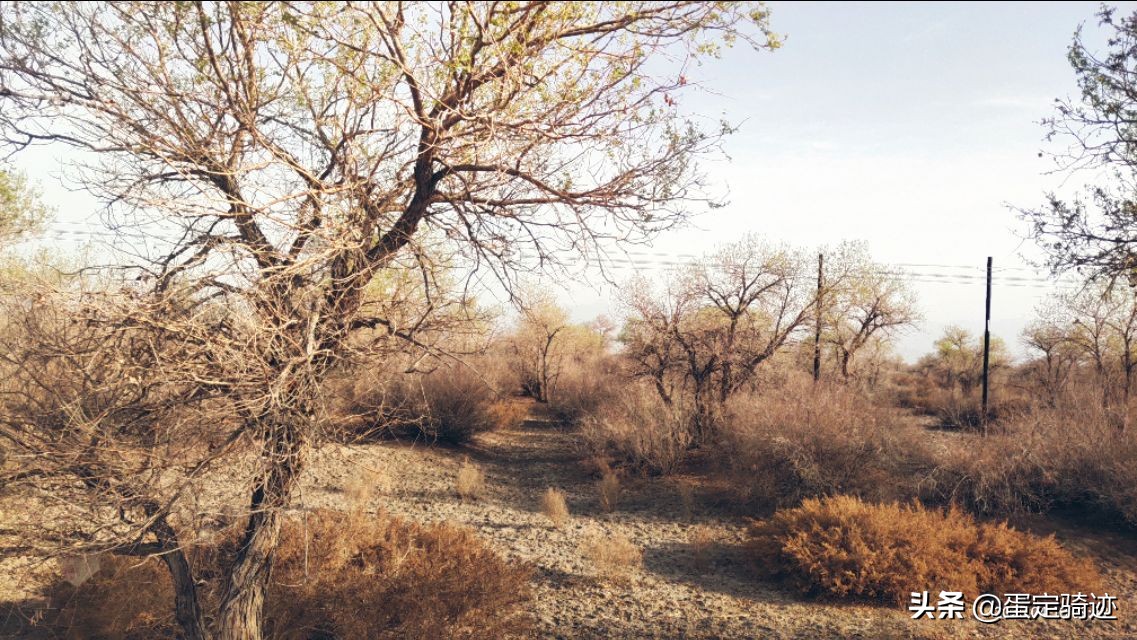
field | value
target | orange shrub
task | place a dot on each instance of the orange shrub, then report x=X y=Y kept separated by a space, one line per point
x=344 y=575
x=843 y=547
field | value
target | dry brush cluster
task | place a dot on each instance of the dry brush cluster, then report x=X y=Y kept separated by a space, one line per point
x=335 y=574
x=846 y=548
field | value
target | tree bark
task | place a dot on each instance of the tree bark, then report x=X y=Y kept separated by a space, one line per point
x=242 y=611
x=187 y=609
x=241 y=615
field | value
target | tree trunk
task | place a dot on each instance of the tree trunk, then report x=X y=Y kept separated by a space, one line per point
x=703 y=416
x=187 y=610
x=241 y=613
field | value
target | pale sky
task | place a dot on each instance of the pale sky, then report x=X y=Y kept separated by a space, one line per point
x=909 y=126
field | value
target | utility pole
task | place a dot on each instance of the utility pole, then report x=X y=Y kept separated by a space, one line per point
x=987 y=348
x=817 y=319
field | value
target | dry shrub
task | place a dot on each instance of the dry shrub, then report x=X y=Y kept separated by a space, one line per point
x=406 y=580
x=457 y=405
x=449 y=405
x=801 y=440
x=127 y=599
x=365 y=484
x=470 y=482
x=554 y=506
x=508 y=413
x=702 y=539
x=841 y=546
x=954 y=408
x=335 y=576
x=608 y=490
x=638 y=429
x=612 y=554
x=584 y=387
x=1069 y=456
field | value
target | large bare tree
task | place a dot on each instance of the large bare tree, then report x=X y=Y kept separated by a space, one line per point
x=716 y=322
x=265 y=163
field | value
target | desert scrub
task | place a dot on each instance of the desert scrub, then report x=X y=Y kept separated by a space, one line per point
x=470 y=483
x=1072 y=455
x=554 y=507
x=449 y=405
x=640 y=430
x=508 y=413
x=613 y=555
x=845 y=548
x=345 y=575
x=800 y=441
x=608 y=490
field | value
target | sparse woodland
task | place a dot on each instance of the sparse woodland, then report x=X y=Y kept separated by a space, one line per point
x=282 y=406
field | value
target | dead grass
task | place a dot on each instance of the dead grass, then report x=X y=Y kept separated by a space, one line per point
x=612 y=554
x=608 y=490
x=1069 y=456
x=508 y=413
x=554 y=507
x=637 y=429
x=336 y=575
x=845 y=548
x=470 y=483
x=799 y=441
x=702 y=539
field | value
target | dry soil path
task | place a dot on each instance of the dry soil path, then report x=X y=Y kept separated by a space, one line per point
x=680 y=590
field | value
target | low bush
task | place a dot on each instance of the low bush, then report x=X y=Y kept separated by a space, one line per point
x=508 y=413
x=843 y=547
x=449 y=405
x=335 y=575
x=1069 y=456
x=608 y=490
x=954 y=408
x=584 y=388
x=554 y=506
x=800 y=440
x=470 y=482
x=613 y=555
x=637 y=429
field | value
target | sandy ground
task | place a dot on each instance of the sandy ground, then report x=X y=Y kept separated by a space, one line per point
x=681 y=590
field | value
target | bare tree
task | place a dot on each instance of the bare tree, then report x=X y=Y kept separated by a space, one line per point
x=1049 y=335
x=863 y=300
x=1095 y=232
x=717 y=322
x=1103 y=319
x=538 y=344
x=266 y=162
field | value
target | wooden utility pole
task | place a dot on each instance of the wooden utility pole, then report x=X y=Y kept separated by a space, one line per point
x=987 y=348
x=817 y=319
